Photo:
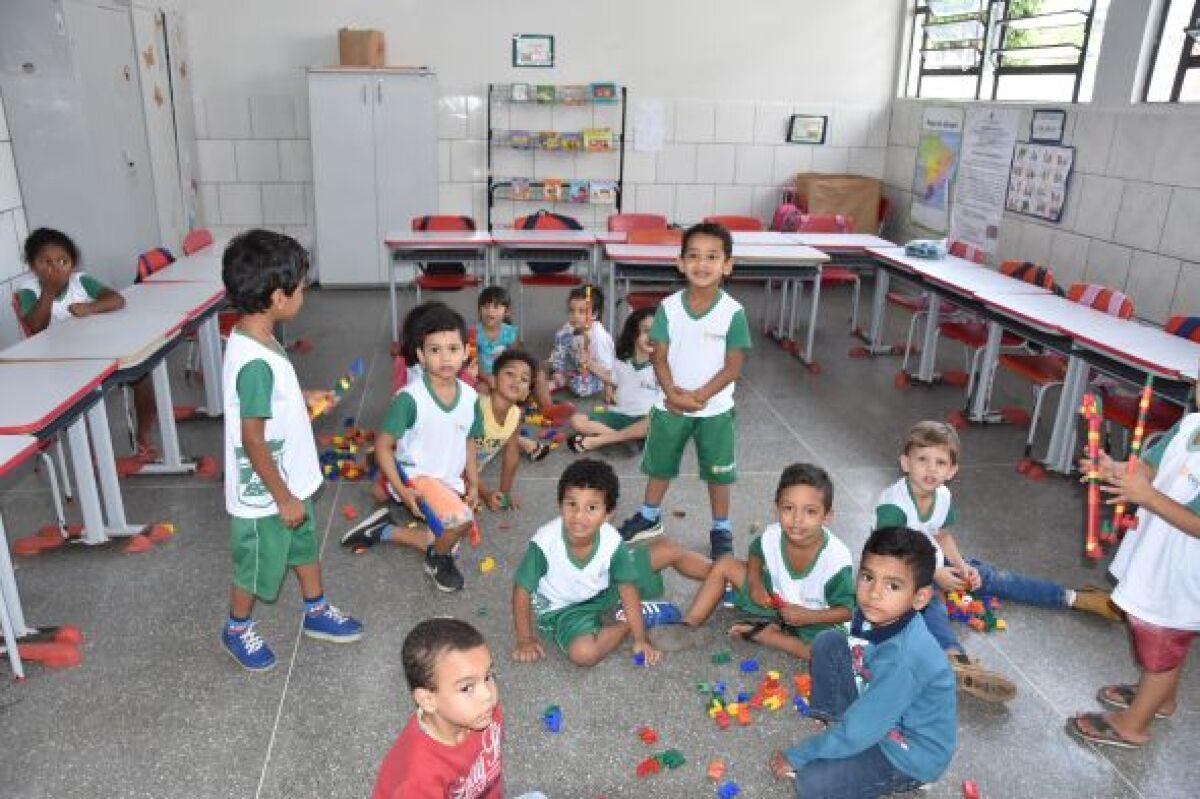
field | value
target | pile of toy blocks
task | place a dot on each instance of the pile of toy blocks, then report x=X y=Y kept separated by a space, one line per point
x=979 y=613
x=350 y=455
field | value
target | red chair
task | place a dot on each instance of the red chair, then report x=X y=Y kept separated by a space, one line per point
x=636 y=300
x=623 y=223
x=436 y=276
x=917 y=304
x=744 y=224
x=196 y=240
x=1046 y=371
x=564 y=279
x=152 y=261
x=834 y=275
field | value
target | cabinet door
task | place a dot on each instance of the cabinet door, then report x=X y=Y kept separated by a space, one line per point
x=341 y=109
x=406 y=150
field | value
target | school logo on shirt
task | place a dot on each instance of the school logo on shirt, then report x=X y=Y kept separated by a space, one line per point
x=251 y=490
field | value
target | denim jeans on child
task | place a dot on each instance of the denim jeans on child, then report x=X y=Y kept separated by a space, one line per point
x=867 y=774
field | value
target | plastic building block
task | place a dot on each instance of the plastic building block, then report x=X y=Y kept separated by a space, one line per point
x=349 y=512
x=803 y=683
x=639 y=658
x=970 y=789
x=648 y=735
x=487 y=564
x=719 y=688
x=716 y=770
x=703 y=687
x=672 y=759
x=801 y=705
x=728 y=790
x=552 y=718
x=722 y=657
x=722 y=719
x=748 y=666
x=743 y=715
x=648 y=766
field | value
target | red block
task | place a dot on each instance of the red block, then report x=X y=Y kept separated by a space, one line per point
x=648 y=766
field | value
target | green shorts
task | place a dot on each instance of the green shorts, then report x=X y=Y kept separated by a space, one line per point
x=613 y=420
x=746 y=605
x=715 y=445
x=264 y=549
x=564 y=625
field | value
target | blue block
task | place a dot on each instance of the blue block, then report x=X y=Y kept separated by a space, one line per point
x=552 y=718
x=801 y=706
x=742 y=697
x=728 y=790
x=639 y=658
x=719 y=688
x=748 y=666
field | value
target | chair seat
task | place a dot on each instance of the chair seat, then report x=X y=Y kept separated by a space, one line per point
x=445 y=282
x=637 y=300
x=556 y=279
x=974 y=334
x=837 y=276
x=1040 y=369
x=1122 y=409
x=913 y=303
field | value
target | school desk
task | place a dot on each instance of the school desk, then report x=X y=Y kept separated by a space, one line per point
x=434 y=246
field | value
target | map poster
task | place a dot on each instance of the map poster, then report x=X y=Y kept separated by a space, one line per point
x=937 y=160
x=1037 y=185
x=988 y=141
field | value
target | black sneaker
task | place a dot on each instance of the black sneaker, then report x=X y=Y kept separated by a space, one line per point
x=721 y=542
x=575 y=444
x=543 y=449
x=638 y=528
x=367 y=533
x=442 y=569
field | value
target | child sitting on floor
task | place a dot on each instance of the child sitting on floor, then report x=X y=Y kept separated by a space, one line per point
x=633 y=392
x=582 y=357
x=500 y=410
x=921 y=501
x=797 y=582
x=886 y=694
x=576 y=571
x=492 y=333
x=1158 y=583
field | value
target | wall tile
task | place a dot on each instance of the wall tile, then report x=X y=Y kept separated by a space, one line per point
x=1187 y=290
x=257 y=160
x=695 y=120
x=755 y=163
x=906 y=123
x=693 y=202
x=1142 y=215
x=1035 y=243
x=301 y=233
x=455 y=198
x=735 y=122
x=210 y=207
x=596 y=166
x=1177 y=162
x=766 y=200
x=506 y=162
x=283 y=203
x=831 y=160
x=228 y=117
x=1151 y=285
x=1068 y=257
x=10 y=250
x=850 y=126
x=479 y=203
x=1099 y=200
x=867 y=161
x=1179 y=235
x=443 y=162
x=4 y=134
x=199 y=118
x=881 y=121
x=241 y=204
x=656 y=199
x=639 y=166
x=901 y=162
x=677 y=163
x=468 y=160
x=1135 y=141
x=452 y=117
x=215 y=162
x=714 y=163
x=295 y=160
x=301 y=104
x=476 y=117
x=771 y=122
x=272 y=117
x=21 y=224
x=570 y=117
x=1092 y=138
x=733 y=200
x=10 y=189
x=790 y=160
x=1108 y=264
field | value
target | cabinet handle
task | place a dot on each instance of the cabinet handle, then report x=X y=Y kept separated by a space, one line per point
x=379 y=91
x=364 y=90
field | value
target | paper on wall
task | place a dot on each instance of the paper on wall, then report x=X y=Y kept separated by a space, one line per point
x=978 y=209
x=937 y=161
x=647 y=122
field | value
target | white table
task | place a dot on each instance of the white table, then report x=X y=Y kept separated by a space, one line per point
x=840 y=243
x=202 y=266
x=788 y=263
x=433 y=246
x=519 y=246
x=14 y=451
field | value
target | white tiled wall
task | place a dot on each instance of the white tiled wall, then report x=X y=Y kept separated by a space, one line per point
x=718 y=157
x=1133 y=204
x=13 y=229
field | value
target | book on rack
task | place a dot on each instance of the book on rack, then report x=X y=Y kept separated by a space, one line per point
x=550 y=140
x=519 y=93
x=518 y=189
x=553 y=190
x=604 y=92
x=571 y=141
x=520 y=139
x=602 y=191
x=546 y=93
x=597 y=139
x=577 y=191
x=573 y=95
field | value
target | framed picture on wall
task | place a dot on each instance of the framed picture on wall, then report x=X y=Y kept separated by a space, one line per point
x=532 y=50
x=1047 y=125
x=806 y=129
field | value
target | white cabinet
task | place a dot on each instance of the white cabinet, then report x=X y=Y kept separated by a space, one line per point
x=374 y=150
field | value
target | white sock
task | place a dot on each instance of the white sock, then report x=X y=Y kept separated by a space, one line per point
x=1069 y=593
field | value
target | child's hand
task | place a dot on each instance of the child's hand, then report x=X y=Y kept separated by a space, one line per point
x=472 y=497
x=292 y=512
x=494 y=501
x=1134 y=487
x=972 y=577
x=780 y=767
x=529 y=651
x=793 y=615
x=651 y=654
x=683 y=402
x=1106 y=466
x=948 y=579
x=409 y=497
x=81 y=309
x=319 y=401
x=54 y=278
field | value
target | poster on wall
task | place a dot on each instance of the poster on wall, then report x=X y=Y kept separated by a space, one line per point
x=937 y=160
x=648 y=125
x=1037 y=183
x=989 y=137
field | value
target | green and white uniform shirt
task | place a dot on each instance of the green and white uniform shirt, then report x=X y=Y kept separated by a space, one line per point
x=81 y=287
x=897 y=507
x=260 y=383
x=431 y=436
x=698 y=343
x=637 y=388
x=827 y=582
x=554 y=578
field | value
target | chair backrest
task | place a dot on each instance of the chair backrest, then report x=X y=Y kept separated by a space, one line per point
x=960 y=249
x=16 y=306
x=623 y=223
x=663 y=236
x=1031 y=273
x=1185 y=327
x=885 y=207
x=196 y=240
x=546 y=220
x=825 y=223
x=1101 y=298
x=152 y=261
x=736 y=222
x=443 y=222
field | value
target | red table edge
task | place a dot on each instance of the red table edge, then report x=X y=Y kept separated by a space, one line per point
x=19 y=458
x=446 y=242
x=44 y=422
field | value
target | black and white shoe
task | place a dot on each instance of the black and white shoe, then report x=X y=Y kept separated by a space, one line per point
x=638 y=528
x=443 y=570
x=367 y=533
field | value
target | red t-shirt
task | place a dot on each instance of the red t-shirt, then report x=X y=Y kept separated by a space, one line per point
x=419 y=767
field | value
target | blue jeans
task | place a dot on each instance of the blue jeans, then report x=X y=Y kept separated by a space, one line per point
x=865 y=775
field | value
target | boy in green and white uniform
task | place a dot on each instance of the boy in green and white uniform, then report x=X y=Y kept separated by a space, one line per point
x=701 y=337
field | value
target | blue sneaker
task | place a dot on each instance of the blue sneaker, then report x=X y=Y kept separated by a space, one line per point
x=721 y=543
x=638 y=528
x=729 y=598
x=248 y=649
x=332 y=625
x=656 y=614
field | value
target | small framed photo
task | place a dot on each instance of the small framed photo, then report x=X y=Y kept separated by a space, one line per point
x=806 y=129
x=532 y=50
x=1047 y=125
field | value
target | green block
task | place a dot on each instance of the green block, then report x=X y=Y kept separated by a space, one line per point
x=722 y=657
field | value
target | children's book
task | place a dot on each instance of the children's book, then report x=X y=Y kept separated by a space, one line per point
x=577 y=191
x=552 y=190
x=550 y=140
x=573 y=95
x=519 y=189
x=597 y=139
x=603 y=191
x=546 y=93
x=520 y=139
x=519 y=93
x=604 y=92
x=535 y=191
x=572 y=141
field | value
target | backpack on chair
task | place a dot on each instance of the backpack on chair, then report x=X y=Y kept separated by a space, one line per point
x=787 y=218
x=446 y=268
x=548 y=220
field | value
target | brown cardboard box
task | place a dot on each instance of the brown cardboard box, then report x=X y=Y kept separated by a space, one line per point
x=852 y=195
x=361 y=48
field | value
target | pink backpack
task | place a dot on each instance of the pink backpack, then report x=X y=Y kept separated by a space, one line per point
x=787 y=218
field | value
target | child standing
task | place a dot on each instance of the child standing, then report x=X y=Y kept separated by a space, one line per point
x=576 y=570
x=900 y=733
x=700 y=340
x=271 y=467
x=921 y=501
x=1158 y=583
x=430 y=428
x=59 y=292
x=493 y=334
x=633 y=392
x=582 y=357
x=797 y=582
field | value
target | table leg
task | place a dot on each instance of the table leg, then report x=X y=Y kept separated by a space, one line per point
x=208 y=339
x=794 y=308
x=392 y=300
x=981 y=397
x=172 y=461
x=85 y=479
x=612 y=294
x=780 y=333
x=1062 y=437
x=875 y=345
x=10 y=599
x=595 y=267
x=812 y=318
x=925 y=369
x=106 y=469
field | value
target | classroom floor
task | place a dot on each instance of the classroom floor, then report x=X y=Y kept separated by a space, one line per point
x=158 y=709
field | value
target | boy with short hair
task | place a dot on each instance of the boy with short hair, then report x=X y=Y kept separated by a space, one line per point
x=921 y=501
x=886 y=694
x=430 y=428
x=797 y=582
x=271 y=466
x=452 y=745
x=700 y=339
x=576 y=570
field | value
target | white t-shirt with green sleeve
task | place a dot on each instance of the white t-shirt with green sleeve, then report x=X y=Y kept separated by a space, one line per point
x=698 y=343
x=431 y=436
x=81 y=287
x=555 y=579
x=897 y=507
x=827 y=582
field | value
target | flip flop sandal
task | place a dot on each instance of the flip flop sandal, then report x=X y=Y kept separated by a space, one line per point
x=575 y=444
x=1104 y=733
x=1120 y=697
x=543 y=449
x=756 y=628
x=983 y=684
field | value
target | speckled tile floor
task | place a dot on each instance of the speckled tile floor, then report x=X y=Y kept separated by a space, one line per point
x=158 y=710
